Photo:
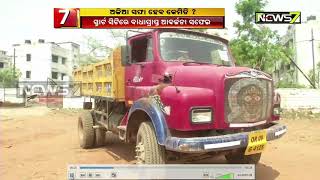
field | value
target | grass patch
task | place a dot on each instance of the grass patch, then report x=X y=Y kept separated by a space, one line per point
x=301 y=114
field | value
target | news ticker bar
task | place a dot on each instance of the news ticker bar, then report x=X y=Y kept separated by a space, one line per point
x=170 y=171
x=108 y=18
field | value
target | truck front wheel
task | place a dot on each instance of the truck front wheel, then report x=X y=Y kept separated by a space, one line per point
x=148 y=151
x=85 y=130
x=239 y=158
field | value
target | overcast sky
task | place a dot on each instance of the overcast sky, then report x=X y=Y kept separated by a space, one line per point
x=33 y=19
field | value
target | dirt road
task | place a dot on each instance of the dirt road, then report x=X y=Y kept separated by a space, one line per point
x=38 y=143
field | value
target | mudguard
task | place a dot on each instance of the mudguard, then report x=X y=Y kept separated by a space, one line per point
x=153 y=110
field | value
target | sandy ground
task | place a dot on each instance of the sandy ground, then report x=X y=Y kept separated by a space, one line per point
x=39 y=143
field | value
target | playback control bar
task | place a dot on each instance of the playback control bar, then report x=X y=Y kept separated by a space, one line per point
x=170 y=171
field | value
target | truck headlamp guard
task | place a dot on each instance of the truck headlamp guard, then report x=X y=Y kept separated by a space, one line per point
x=200 y=115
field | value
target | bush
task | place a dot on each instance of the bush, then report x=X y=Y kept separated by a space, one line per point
x=8 y=78
x=285 y=84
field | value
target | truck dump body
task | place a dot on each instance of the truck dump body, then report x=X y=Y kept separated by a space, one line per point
x=102 y=79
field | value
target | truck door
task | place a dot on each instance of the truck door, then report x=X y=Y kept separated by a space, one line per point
x=138 y=75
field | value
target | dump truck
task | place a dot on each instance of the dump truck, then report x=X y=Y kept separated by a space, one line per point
x=177 y=93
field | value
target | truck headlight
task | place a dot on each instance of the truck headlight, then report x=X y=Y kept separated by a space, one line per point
x=201 y=115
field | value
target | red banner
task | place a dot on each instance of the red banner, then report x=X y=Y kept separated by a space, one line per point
x=66 y=18
x=96 y=22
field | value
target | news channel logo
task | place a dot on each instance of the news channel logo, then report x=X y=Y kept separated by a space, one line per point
x=45 y=88
x=293 y=17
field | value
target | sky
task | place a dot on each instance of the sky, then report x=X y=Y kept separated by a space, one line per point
x=33 y=19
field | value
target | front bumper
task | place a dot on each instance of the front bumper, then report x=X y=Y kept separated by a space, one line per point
x=219 y=143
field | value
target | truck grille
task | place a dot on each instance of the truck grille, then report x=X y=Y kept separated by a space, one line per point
x=247 y=100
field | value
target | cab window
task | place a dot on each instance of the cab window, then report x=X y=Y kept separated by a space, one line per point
x=141 y=50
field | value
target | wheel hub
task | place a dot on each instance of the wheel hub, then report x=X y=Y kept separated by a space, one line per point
x=140 y=154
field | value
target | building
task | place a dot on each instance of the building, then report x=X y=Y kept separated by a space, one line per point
x=304 y=39
x=40 y=60
x=5 y=60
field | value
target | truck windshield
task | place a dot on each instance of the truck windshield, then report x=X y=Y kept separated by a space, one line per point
x=192 y=48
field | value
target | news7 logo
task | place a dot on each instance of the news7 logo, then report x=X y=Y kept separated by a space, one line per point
x=66 y=17
x=278 y=17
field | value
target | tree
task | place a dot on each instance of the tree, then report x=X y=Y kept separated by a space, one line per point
x=256 y=46
x=200 y=30
x=8 y=78
x=97 y=50
x=118 y=35
x=316 y=77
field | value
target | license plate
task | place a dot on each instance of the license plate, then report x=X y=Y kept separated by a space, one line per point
x=257 y=142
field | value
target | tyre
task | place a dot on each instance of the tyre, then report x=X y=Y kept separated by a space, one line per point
x=85 y=130
x=103 y=137
x=148 y=151
x=87 y=105
x=239 y=158
x=112 y=138
x=100 y=138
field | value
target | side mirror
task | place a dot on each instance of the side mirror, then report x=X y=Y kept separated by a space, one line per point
x=125 y=55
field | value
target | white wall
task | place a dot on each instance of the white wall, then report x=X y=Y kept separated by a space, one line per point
x=9 y=95
x=41 y=64
x=59 y=67
x=304 y=47
x=299 y=98
x=1 y=94
x=5 y=59
x=76 y=102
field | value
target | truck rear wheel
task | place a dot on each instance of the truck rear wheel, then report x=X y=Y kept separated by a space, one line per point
x=104 y=137
x=148 y=151
x=85 y=130
x=100 y=137
x=112 y=138
x=239 y=158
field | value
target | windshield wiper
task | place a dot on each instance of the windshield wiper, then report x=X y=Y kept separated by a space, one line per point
x=195 y=62
x=227 y=65
x=204 y=63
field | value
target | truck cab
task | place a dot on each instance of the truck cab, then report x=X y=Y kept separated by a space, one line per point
x=184 y=96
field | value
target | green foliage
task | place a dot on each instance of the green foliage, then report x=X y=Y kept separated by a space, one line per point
x=316 y=78
x=256 y=46
x=96 y=49
x=118 y=35
x=286 y=84
x=8 y=78
x=200 y=30
x=86 y=59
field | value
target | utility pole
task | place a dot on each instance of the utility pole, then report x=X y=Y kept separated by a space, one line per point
x=14 y=58
x=14 y=61
x=310 y=80
x=313 y=60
